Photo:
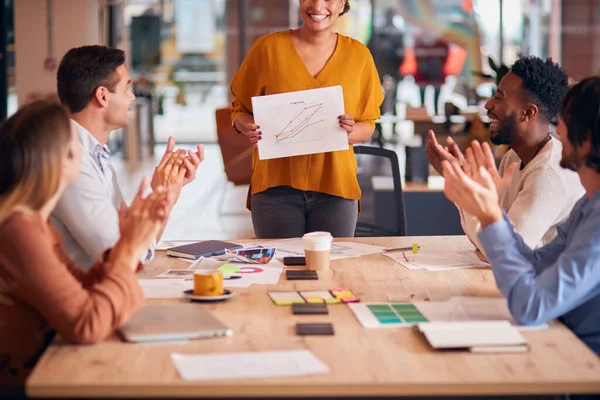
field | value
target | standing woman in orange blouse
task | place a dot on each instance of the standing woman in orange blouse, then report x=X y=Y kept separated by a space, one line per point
x=318 y=192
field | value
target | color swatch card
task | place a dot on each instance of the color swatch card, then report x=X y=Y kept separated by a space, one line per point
x=387 y=315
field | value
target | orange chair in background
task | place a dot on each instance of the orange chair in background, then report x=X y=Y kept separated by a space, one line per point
x=235 y=149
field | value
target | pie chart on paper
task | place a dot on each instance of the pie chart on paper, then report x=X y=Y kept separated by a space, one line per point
x=235 y=269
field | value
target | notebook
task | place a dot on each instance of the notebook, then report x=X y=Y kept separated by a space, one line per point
x=488 y=336
x=207 y=248
x=155 y=323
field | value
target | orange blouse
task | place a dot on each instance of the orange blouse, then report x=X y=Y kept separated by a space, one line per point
x=42 y=290
x=274 y=66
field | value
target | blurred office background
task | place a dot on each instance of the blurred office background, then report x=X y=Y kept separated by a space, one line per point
x=439 y=61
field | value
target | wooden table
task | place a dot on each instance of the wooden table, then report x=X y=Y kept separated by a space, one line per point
x=375 y=362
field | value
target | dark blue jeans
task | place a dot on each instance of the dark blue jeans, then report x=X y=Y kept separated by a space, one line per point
x=285 y=212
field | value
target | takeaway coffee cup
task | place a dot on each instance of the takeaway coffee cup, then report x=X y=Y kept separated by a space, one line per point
x=317 y=249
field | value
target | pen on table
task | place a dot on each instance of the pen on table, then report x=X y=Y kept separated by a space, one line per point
x=413 y=248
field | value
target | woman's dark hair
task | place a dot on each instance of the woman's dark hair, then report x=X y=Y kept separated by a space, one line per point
x=346 y=8
x=581 y=112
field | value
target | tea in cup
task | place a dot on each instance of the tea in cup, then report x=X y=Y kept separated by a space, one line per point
x=208 y=283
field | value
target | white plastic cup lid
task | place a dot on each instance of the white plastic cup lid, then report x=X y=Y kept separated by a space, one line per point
x=317 y=241
x=318 y=237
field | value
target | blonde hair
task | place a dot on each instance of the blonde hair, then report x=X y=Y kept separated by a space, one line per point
x=33 y=144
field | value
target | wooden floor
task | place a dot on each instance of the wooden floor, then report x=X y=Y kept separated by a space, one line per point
x=209 y=208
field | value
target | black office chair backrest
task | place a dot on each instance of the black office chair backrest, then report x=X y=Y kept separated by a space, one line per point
x=382 y=201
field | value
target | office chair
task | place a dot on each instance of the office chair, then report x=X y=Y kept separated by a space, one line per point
x=382 y=202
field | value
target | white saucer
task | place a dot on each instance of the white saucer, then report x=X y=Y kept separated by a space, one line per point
x=189 y=294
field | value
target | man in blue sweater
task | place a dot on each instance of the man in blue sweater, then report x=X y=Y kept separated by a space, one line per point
x=561 y=279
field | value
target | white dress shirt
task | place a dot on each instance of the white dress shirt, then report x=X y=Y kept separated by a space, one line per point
x=87 y=216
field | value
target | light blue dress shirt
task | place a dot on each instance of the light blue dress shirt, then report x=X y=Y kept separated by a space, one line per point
x=559 y=280
x=87 y=216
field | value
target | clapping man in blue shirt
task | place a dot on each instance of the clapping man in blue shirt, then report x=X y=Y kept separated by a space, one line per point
x=561 y=279
x=94 y=85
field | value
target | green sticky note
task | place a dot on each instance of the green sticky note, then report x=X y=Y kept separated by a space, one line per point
x=229 y=268
x=381 y=314
x=417 y=319
x=379 y=308
x=407 y=315
x=404 y=307
x=389 y=320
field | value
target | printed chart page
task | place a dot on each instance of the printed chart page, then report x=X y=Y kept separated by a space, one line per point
x=298 y=123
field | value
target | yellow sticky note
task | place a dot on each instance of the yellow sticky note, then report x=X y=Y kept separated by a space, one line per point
x=314 y=299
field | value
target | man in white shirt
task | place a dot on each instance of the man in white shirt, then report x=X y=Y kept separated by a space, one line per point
x=540 y=193
x=94 y=84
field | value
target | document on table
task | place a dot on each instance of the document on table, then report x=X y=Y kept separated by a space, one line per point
x=267 y=364
x=241 y=274
x=471 y=308
x=298 y=123
x=165 y=288
x=338 y=249
x=432 y=260
x=455 y=309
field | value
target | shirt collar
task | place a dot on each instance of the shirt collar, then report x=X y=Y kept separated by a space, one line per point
x=92 y=146
x=89 y=143
x=590 y=204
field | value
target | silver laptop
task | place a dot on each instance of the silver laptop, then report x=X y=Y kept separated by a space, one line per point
x=170 y=322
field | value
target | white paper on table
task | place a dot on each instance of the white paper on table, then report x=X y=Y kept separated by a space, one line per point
x=302 y=122
x=338 y=249
x=455 y=309
x=437 y=261
x=267 y=364
x=164 y=288
x=471 y=308
x=269 y=274
x=206 y=263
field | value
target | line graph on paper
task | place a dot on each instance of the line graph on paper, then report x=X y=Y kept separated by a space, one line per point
x=303 y=123
x=300 y=123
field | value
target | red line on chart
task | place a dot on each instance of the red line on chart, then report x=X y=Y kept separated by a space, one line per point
x=293 y=132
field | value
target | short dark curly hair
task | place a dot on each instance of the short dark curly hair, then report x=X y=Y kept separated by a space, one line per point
x=545 y=83
x=581 y=113
x=346 y=8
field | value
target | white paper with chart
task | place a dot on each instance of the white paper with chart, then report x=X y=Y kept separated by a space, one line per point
x=302 y=122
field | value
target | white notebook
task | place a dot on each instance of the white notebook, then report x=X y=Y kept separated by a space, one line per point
x=488 y=335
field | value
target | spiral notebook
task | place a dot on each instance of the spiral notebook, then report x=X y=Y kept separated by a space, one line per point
x=477 y=337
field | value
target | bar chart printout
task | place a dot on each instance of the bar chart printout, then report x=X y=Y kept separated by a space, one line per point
x=297 y=123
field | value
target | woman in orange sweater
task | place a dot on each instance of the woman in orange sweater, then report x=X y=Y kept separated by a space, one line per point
x=294 y=195
x=41 y=291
